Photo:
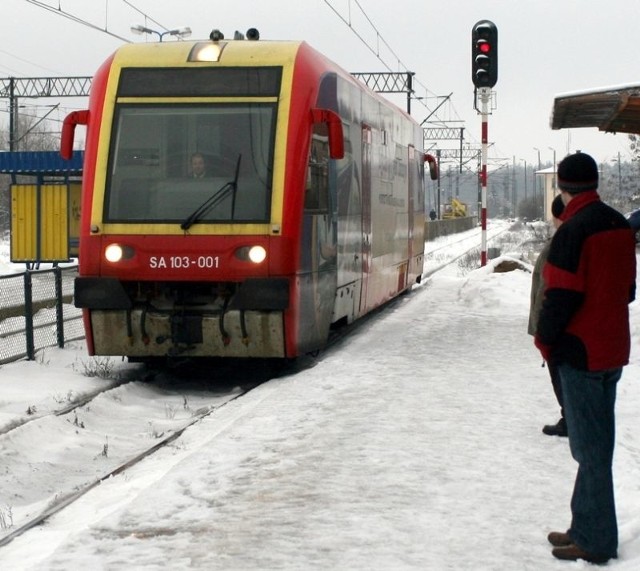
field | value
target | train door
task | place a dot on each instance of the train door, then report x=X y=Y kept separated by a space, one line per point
x=411 y=251
x=318 y=276
x=417 y=214
x=411 y=179
x=367 y=137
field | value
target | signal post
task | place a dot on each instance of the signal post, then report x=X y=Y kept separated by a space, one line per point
x=484 y=74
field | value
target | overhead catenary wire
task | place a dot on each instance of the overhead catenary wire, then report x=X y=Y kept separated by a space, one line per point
x=23 y=60
x=77 y=19
x=74 y=18
x=348 y=21
x=59 y=11
x=145 y=15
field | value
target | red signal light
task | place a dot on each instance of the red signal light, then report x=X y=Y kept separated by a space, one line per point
x=484 y=46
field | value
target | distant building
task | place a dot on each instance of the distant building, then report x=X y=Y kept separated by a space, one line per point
x=549 y=189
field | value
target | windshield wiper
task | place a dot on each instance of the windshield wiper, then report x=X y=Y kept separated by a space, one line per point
x=215 y=199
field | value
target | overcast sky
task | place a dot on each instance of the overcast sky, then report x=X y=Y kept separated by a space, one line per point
x=546 y=47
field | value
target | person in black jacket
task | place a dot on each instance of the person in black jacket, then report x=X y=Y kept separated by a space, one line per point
x=537 y=294
x=584 y=328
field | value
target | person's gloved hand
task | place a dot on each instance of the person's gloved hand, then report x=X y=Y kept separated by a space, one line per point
x=545 y=350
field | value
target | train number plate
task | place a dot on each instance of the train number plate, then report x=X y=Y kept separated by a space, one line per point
x=184 y=262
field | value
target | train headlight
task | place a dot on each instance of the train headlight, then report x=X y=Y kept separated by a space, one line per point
x=206 y=51
x=115 y=253
x=255 y=254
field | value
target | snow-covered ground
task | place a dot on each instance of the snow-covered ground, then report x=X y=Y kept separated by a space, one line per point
x=415 y=443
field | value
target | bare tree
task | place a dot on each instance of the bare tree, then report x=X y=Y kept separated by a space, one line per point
x=33 y=134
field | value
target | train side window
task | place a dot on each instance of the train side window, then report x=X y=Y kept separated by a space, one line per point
x=317 y=186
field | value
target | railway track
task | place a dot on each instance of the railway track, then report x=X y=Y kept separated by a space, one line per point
x=62 y=498
x=35 y=416
x=62 y=502
x=471 y=242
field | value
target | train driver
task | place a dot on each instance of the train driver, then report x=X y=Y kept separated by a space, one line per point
x=198 y=166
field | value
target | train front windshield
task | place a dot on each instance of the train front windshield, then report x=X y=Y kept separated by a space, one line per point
x=168 y=160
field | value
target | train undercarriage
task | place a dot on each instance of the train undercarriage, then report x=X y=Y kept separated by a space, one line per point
x=158 y=319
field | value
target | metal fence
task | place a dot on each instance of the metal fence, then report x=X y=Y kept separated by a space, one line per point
x=36 y=311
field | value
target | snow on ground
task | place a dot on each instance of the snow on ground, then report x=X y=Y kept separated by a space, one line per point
x=415 y=443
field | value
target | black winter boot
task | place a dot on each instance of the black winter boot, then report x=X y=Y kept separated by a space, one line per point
x=558 y=429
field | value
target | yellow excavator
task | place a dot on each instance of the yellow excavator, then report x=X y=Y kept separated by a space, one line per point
x=455 y=209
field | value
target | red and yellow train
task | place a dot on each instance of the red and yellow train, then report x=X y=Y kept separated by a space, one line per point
x=310 y=210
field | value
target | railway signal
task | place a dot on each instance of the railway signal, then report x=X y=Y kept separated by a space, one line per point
x=484 y=74
x=484 y=54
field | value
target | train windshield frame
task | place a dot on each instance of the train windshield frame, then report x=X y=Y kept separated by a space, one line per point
x=150 y=171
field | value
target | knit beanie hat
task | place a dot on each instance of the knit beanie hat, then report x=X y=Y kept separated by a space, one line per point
x=577 y=173
x=557 y=206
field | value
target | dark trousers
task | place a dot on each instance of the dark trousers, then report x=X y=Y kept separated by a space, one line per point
x=556 y=382
x=589 y=404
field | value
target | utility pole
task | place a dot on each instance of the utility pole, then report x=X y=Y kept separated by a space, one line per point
x=514 y=200
x=13 y=88
x=537 y=181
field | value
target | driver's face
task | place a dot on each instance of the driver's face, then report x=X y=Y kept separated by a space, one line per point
x=197 y=165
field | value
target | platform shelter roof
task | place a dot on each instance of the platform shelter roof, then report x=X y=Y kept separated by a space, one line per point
x=38 y=163
x=611 y=109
